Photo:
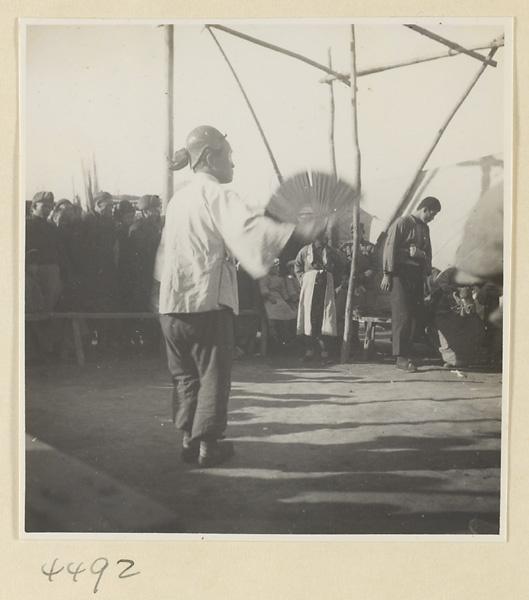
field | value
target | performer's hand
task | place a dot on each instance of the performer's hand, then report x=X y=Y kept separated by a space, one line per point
x=416 y=253
x=386 y=283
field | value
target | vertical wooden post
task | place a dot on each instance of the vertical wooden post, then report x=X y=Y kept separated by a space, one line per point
x=334 y=225
x=169 y=147
x=331 y=125
x=356 y=165
x=78 y=341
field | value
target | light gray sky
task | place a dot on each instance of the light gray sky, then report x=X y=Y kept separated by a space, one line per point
x=98 y=90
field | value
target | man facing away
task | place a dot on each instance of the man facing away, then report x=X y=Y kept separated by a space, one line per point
x=41 y=235
x=207 y=228
x=407 y=261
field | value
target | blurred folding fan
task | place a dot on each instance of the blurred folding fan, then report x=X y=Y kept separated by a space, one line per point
x=311 y=192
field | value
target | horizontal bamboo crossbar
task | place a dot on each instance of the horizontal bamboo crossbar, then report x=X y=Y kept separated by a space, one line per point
x=453 y=45
x=455 y=49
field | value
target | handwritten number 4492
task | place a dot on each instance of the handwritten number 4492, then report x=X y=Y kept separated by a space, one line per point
x=98 y=567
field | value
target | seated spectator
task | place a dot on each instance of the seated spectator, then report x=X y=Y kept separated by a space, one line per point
x=479 y=258
x=455 y=326
x=247 y=325
x=293 y=286
x=281 y=317
x=367 y=287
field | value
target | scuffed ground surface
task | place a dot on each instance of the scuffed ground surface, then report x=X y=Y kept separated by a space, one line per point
x=341 y=449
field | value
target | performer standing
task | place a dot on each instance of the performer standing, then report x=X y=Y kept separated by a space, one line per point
x=407 y=261
x=318 y=267
x=207 y=227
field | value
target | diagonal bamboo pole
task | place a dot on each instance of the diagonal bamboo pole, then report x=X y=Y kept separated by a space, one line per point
x=451 y=44
x=300 y=57
x=409 y=191
x=261 y=131
x=344 y=78
x=416 y=61
x=347 y=335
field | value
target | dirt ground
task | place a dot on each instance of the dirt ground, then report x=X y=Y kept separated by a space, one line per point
x=359 y=448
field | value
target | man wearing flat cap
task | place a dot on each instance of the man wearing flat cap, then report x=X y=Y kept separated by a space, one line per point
x=42 y=237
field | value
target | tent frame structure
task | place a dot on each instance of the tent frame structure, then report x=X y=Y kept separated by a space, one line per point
x=350 y=80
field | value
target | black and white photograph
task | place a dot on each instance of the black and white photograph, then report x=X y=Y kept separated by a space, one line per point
x=265 y=278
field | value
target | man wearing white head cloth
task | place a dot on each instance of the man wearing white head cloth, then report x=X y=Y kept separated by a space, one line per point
x=207 y=229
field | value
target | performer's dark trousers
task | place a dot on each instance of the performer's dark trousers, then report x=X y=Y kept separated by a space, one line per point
x=199 y=356
x=407 y=306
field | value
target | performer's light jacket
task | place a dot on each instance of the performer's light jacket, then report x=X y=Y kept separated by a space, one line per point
x=207 y=227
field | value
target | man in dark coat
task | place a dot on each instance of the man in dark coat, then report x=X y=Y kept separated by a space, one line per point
x=407 y=261
x=144 y=237
x=42 y=237
x=98 y=260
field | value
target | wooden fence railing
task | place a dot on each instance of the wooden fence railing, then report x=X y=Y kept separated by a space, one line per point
x=77 y=317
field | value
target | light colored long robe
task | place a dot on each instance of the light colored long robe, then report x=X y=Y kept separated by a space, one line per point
x=304 y=326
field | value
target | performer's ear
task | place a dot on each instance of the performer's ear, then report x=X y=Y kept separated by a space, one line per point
x=180 y=160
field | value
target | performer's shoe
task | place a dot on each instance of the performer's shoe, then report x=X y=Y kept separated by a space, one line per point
x=326 y=359
x=190 y=449
x=405 y=364
x=307 y=358
x=213 y=453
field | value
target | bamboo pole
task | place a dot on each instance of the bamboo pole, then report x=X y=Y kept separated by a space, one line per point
x=344 y=78
x=97 y=189
x=419 y=60
x=169 y=143
x=252 y=111
x=409 y=191
x=334 y=226
x=332 y=120
x=450 y=44
x=275 y=48
x=90 y=192
x=347 y=335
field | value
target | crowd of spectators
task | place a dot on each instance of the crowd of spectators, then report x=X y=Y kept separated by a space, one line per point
x=278 y=294
x=102 y=261
x=95 y=261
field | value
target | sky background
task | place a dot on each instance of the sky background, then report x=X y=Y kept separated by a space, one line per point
x=98 y=91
